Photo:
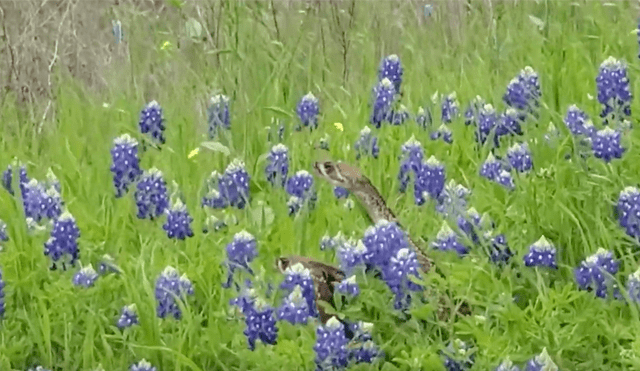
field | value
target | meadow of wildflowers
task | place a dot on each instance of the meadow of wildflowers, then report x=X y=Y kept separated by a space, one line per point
x=139 y=227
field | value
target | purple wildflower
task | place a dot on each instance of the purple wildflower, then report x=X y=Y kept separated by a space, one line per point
x=541 y=253
x=308 y=110
x=152 y=122
x=391 y=68
x=151 y=195
x=63 y=241
x=85 y=277
x=277 y=168
x=170 y=286
x=128 y=317
x=178 y=224
x=367 y=144
x=383 y=98
x=218 y=116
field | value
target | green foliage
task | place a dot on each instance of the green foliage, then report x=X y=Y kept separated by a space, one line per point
x=265 y=60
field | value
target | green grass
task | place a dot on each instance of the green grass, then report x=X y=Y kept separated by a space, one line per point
x=265 y=69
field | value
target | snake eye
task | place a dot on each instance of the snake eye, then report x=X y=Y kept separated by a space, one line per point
x=328 y=167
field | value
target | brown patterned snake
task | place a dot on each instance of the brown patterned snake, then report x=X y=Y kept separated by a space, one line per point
x=349 y=177
x=325 y=276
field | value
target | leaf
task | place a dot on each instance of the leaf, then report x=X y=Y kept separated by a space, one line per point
x=278 y=110
x=537 y=21
x=193 y=28
x=216 y=146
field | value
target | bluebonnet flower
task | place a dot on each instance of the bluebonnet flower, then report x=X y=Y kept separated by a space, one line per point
x=40 y=203
x=107 y=265
x=443 y=132
x=23 y=180
x=151 y=195
x=234 y=184
x=382 y=241
x=308 y=110
x=169 y=288
x=301 y=185
x=178 y=224
x=509 y=123
x=245 y=301
x=401 y=266
x=294 y=205
x=125 y=163
x=452 y=201
x=450 y=108
x=277 y=168
x=4 y=237
x=218 y=116
x=541 y=253
x=340 y=192
x=410 y=161
x=143 y=365
x=470 y=224
x=85 y=277
x=500 y=251
x=487 y=122
x=458 y=356
x=519 y=157
x=491 y=167
x=240 y=252
x=349 y=286
x=327 y=242
x=391 y=68
x=613 y=90
x=7 y=179
x=361 y=347
x=2 y=303
x=63 y=241
x=152 y=122
x=606 y=144
x=593 y=273
x=367 y=144
x=430 y=177
x=398 y=116
x=471 y=114
x=331 y=346
x=260 y=323
x=116 y=29
x=541 y=362
x=506 y=180
x=39 y=368
x=294 y=308
x=350 y=253
x=213 y=198
x=128 y=317
x=298 y=275
x=628 y=211
x=423 y=118
x=383 y=98
x=633 y=287
x=523 y=92
x=578 y=122
x=448 y=240
x=507 y=365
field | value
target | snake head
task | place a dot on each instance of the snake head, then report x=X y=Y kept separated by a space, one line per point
x=338 y=174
